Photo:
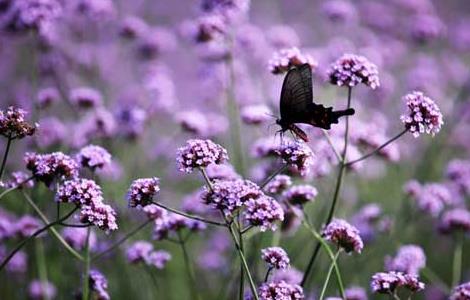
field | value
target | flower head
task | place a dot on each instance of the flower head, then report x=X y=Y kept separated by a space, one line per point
x=173 y=223
x=280 y=290
x=458 y=171
x=26 y=225
x=77 y=238
x=85 y=97
x=287 y=58
x=431 y=197
x=278 y=184
x=461 y=292
x=38 y=290
x=386 y=283
x=154 y=212
x=51 y=166
x=351 y=70
x=263 y=212
x=300 y=194
x=80 y=192
x=142 y=191
x=355 y=293
x=344 y=235
x=200 y=154
x=93 y=157
x=275 y=257
x=98 y=285
x=19 y=179
x=47 y=96
x=13 y=124
x=255 y=114
x=409 y=259
x=297 y=154
x=139 y=251
x=422 y=115
x=101 y=215
x=455 y=220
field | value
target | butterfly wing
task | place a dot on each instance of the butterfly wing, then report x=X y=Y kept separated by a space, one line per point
x=296 y=94
x=323 y=117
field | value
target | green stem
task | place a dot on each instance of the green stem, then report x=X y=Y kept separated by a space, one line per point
x=328 y=275
x=41 y=265
x=207 y=179
x=86 y=271
x=5 y=156
x=189 y=268
x=271 y=177
x=457 y=263
x=52 y=230
x=242 y=273
x=178 y=212
x=328 y=139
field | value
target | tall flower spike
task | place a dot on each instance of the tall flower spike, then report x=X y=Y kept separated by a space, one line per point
x=422 y=115
x=350 y=70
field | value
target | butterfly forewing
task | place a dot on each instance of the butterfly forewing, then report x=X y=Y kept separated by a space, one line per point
x=296 y=94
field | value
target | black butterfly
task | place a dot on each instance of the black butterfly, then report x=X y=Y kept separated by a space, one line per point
x=297 y=104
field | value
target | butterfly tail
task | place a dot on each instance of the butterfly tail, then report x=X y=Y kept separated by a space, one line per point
x=340 y=113
x=332 y=117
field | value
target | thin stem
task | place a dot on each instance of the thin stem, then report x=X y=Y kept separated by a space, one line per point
x=278 y=171
x=457 y=264
x=41 y=265
x=54 y=231
x=86 y=271
x=246 y=229
x=189 y=215
x=122 y=240
x=15 y=187
x=328 y=275
x=207 y=179
x=152 y=276
x=330 y=142
x=5 y=156
x=189 y=268
x=242 y=273
x=375 y=151
x=31 y=237
x=266 y=277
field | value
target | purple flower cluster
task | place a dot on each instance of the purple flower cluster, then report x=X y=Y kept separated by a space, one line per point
x=457 y=219
x=422 y=116
x=85 y=97
x=154 y=212
x=344 y=235
x=173 y=223
x=51 y=166
x=77 y=238
x=99 y=214
x=222 y=172
x=32 y=14
x=205 y=28
x=287 y=58
x=93 y=157
x=369 y=220
x=255 y=114
x=19 y=179
x=143 y=251
x=13 y=124
x=300 y=194
x=199 y=154
x=298 y=155
x=350 y=70
x=131 y=121
x=47 y=97
x=275 y=257
x=280 y=290
x=458 y=171
x=39 y=290
x=426 y=28
x=386 y=283
x=461 y=292
x=278 y=184
x=409 y=259
x=142 y=191
x=263 y=212
x=98 y=285
x=355 y=293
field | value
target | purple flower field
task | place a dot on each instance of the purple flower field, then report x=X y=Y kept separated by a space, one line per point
x=171 y=149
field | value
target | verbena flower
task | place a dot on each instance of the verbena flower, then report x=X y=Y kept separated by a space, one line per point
x=85 y=97
x=173 y=223
x=101 y=215
x=205 y=28
x=344 y=235
x=154 y=212
x=139 y=251
x=51 y=132
x=431 y=197
x=80 y=192
x=255 y=114
x=33 y=14
x=26 y=226
x=386 y=283
x=425 y=28
x=422 y=115
x=280 y=290
x=131 y=121
x=98 y=285
x=199 y=154
x=461 y=292
x=278 y=184
x=457 y=219
x=13 y=124
x=18 y=179
x=263 y=212
x=39 y=290
x=291 y=276
x=350 y=70
x=93 y=157
x=222 y=172
x=339 y=11
x=300 y=194
x=51 y=166
x=158 y=259
x=265 y=147
x=275 y=257
x=409 y=259
x=298 y=155
x=142 y=191
x=458 y=171
x=355 y=293
x=18 y=265
x=77 y=238
x=287 y=58
x=47 y=97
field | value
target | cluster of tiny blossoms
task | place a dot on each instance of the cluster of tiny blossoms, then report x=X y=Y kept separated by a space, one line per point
x=13 y=124
x=387 y=283
x=461 y=292
x=422 y=116
x=280 y=290
x=278 y=184
x=275 y=257
x=409 y=259
x=264 y=212
x=142 y=191
x=199 y=154
x=298 y=155
x=287 y=58
x=98 y=285
x=93 y=157
x=173 y=223
x=143 y=251
x=51 y=166
x=350 y=70
x=300 y=194
x=344 y=235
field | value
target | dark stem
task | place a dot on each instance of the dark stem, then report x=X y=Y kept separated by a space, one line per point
x=278 y=171
x=35 y=234
x=267 y=274
x=189 y=215
x=15 y=187
x=375 y=151
x=5 y=156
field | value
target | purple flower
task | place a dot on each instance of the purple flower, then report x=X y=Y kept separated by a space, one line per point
x=173 y=223
x=458 y=171
x=101 y=215
x=131 y=121
x=154 y=212
x=26 y=226
x=98 y=285
x=300 y=194
x=409 y=259
x=355 y=293
x=51 y=132
x=422 y=115
x=275 y=257
x=265 y=147
x=85 y=97
x=291 y=276
x=461 y=292
x=19 y=179
x=139 y=251
x=455 y=220
x=368 y=220
x=386 y=283
x=205 y=28
x=222 y=172
x=343 y=235
x=18 y=263
x=158 y=259
x=93 y=157
x=199 y=154
x=46 y=97
x=283 y=36
x=51 y=166
x=142 y=191
x=80 y=192
x=13 y=124
x=280 y=290
x=287 y=58
x=278 y=184
x=77 y=238
x=230 y=9
x=133 y=27
x=255 y=114
x=298 y=155
x=339 y=11
x=426 y=28
x=39 y=290
x=351 y=70
x=263 y=212
x=33 y=14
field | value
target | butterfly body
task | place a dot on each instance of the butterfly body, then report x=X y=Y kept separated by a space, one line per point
x=297 y=104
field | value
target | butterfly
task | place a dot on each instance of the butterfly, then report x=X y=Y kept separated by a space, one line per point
x=296 y=105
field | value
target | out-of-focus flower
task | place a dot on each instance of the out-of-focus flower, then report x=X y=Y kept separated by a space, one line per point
x=51 y=166
x=142 y=191
x=275 y=257
x=409 y=259
x=154 y=42
x=133 y=27
x=287 y=58
x=139 y=251
x=51 y=132
x=344 y=235
x=300 y=194
x=154 y=212
x=221 y=172
x=13 y=124
x=431 y=197
x=230 y=9
x=158 y=259
x=291 y=275
x=350 y=70
x=213 y=255
x=77 y=238
x=280 y=290
x=263 y=212
x=278 y=184
x=39 y=290
x=461 y=292
x=355 y=293
x=458 y=171
x=47 y=97
x=422 y=115
x=32 y=14
x=369 y=220
x=173 y=223
x=93 y=157
x=339 y=11
x=18 y=263
x=265 y=147
x=426 y=28
x=131 y=121
x=454 y=220
x=199 y=154
x=255 y=114
x=386 y=283
x=85 y=97
x=26 y=226
x=297 y=154
x=282 y=36
x=98 y=285
x=19 y=179
x=205 y=28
